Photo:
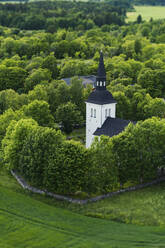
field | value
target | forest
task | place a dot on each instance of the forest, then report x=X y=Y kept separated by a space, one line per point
x=42 y=43
x=50 y=15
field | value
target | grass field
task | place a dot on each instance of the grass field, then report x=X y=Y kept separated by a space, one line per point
x=29 y=223
x=142 y=207
x=156 y=12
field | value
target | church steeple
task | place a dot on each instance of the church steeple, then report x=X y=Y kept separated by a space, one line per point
x=101 y=75
x=100 y=104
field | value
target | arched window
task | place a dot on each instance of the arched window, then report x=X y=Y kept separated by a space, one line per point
x=91 y=112
x=106 y=113
x=94 y=113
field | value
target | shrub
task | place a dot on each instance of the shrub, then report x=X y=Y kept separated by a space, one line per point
x=67 y=169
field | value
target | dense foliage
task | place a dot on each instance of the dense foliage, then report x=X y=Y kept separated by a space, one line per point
x=47 y=160
x=35 y=101
x=51 y=15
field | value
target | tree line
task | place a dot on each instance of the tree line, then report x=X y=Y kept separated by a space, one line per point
x=52 y=15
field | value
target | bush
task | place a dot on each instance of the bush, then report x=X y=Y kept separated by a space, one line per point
x=28 y=149
x=67 y=169
x=103 y=173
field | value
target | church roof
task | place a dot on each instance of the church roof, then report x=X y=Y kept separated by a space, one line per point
x=91 y=79
x=101 y=97
x=112 y=126
x=101 y=74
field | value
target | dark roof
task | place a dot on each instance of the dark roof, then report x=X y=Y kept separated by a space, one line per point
x=101 y=97
x=91 y=79
x=101 y=74
x=112 y=126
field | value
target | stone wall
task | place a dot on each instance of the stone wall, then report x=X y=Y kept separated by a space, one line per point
x=24 y=185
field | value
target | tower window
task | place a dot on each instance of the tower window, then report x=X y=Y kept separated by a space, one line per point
x=91 y=112
x=94 y=113
x=109 y=114
x=106 y=113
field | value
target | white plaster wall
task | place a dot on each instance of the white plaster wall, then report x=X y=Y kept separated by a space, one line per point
x=112 y=107
x=93 y=123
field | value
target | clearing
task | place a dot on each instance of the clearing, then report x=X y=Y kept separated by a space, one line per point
x=156 y=12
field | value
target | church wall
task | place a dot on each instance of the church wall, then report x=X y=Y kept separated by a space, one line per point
x=112 y=108
x=92 y=121
x=96 y=121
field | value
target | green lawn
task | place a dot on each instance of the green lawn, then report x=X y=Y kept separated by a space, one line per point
x=27 y=222
x=142 y=207
x=156 y=12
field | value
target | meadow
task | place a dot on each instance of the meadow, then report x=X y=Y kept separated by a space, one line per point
x=27 y=220
x=156 y=12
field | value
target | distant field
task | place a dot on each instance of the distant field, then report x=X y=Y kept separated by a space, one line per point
x=156 y=12
x=29 y=223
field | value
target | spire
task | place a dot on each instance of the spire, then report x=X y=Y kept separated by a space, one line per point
x=101 y=74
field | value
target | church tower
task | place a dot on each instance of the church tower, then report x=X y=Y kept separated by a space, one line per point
x=99 y=105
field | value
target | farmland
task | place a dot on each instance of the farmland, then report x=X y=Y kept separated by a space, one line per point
x=147 y=12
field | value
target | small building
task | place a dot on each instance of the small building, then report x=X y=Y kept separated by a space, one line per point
x=101 y=110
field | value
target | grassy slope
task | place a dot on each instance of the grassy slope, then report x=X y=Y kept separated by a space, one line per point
x=26 y=223
x=142 y=207
x=156 y=12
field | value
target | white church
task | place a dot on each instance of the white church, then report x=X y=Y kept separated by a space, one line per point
x=101 y=110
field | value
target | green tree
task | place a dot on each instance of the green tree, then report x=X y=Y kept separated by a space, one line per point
x=12 y=78
x=38 y=93
x=36 y=77
x=139 y=19
x=153 y=81
x=61 y=49
x=68 y=116
x=155 y=107
x=76 y=94
x=123 y=105
x=50 y=63
x=103 y=173
x=137 y=46
x=13 y=143
x=67 y=171
x=11 y=99
x=39 y=111
x=29 y=148
x=139 y=150
x=58 y=93
x=74 y=68
x=5 y=120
